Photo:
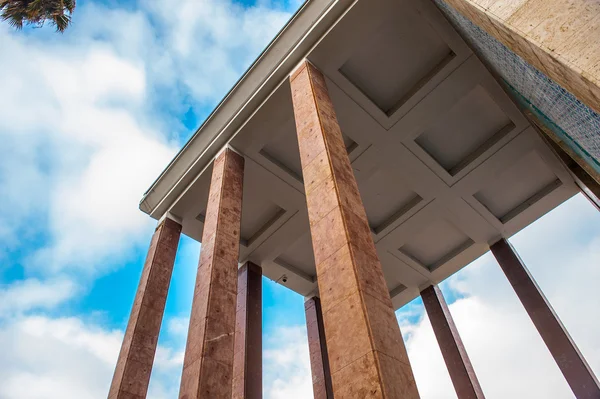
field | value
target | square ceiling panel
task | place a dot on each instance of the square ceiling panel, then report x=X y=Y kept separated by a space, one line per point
x=299 y=256
x=466 y=131
x=516 y=188
x=386 y=199
x=257 y=217
x=283 y=150
x=436 y=244
x=396 y=60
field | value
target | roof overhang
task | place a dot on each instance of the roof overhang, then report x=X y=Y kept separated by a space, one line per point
x=303 y=31
x=445 y=162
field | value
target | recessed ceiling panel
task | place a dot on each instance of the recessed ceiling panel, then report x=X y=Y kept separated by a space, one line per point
x=283 y=150
x=385 y=198
x=435 y=244
x=524 y=182
x=428 y=222
x=397 y=59
x=469 y=128
x=300 y=256
x=257 y=216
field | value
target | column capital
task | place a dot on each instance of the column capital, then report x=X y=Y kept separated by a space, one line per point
x=170 y=216
x=228 y=147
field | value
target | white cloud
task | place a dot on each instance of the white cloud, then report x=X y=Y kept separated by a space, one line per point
x=212 y=42
x=91 y=117
x=64 y=358
x=87 y=120
x=56 y=358
x=507 y=353
x=33 y=294
x=286 y=371
x=178 y=326
x=79 y=134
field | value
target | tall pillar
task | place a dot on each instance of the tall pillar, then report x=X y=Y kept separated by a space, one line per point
x=578 y=374
x=455 y=356
x=208 y=361
x=367 y=356
x=319 y=360
x=247 y=356
x=554 y=38
x=134 y=365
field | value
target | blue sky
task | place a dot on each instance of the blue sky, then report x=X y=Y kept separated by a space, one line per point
x=88 y=119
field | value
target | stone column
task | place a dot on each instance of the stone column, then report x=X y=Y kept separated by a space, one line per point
x=208 y=361
x=554 y=37
x=319 y=360
x=367 y=356
x=247 y=356
x=459 y=366
x=134 y=366
x=578 y=374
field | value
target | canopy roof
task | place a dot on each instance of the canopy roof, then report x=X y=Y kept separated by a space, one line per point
x=445 y=162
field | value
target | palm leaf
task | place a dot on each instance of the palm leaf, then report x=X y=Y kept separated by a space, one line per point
x=36 y=12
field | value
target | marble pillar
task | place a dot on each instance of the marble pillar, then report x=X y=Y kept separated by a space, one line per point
x=455 y=356
x=208 y=361
x=134 y=365
x=319 y=360
x=577 y=372
x=247 y=357
x=367 y=356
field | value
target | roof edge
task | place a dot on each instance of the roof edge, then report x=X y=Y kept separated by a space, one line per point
x=284 y=52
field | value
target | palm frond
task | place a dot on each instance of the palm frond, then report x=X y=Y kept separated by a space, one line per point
x=36 y=12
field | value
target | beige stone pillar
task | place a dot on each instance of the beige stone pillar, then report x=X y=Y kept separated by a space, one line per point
x=134 y=365
x=559 y=38
x=367 y=356
x=208 y=361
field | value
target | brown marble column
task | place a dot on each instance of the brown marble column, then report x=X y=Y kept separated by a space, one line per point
x=208 y=360
x=367 y=356
x=319 y=360
x=578 y=374
x=247 y=356
x=459 y=366
x=134 y=366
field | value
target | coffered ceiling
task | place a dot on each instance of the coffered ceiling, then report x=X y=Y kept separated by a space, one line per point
x=445 y=163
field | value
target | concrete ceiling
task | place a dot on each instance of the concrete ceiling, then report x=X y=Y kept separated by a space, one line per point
x=445 y=163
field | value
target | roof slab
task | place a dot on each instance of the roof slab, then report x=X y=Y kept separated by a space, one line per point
x=445 y=162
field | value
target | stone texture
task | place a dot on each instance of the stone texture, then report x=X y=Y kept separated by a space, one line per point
x=247 y=359
x=360 y=379
x=505 y=8
x=367 y=357
x=561 y=38
x=319 y=359
x=578 y=374
x=132 y=373
x=455 y=356
x=550 y=22
x=208 y=360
